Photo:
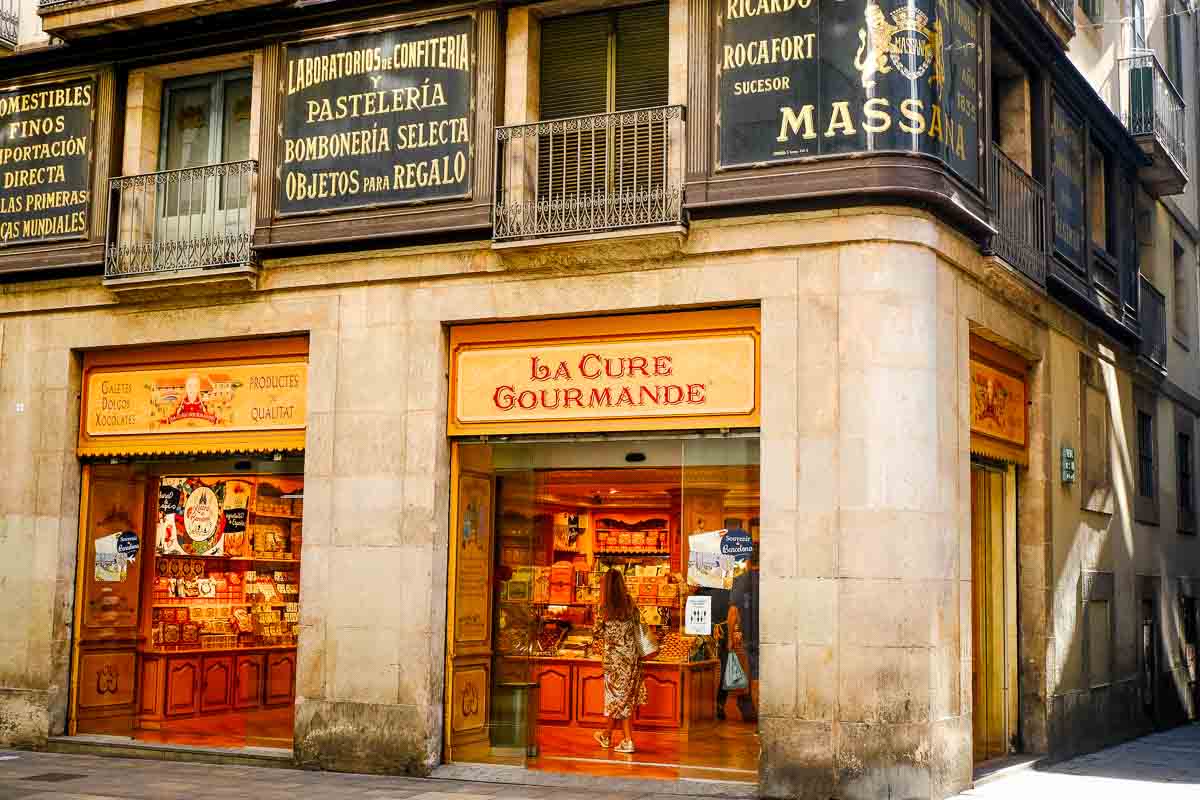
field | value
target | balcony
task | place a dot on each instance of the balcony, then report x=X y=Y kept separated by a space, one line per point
x=184 y=225
x=1154 y=112
x=1152 y=316
x=599 y=174
x=10 y=23
x=1019 y=215
x=75 y=19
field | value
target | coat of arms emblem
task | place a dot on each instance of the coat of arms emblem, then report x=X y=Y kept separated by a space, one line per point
x=906 y=42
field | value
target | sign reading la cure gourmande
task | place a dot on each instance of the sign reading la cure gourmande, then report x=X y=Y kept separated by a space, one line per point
x=377 y=118
x=800 y=78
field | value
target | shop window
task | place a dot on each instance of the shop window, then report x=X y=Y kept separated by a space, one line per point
x=1185 y=486
x=597 y=64
x=677 y=522
x=206 y=120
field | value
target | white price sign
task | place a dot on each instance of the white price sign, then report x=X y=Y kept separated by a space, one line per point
x=697 y=616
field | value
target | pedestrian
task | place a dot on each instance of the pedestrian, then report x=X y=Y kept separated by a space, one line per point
x=617 y=624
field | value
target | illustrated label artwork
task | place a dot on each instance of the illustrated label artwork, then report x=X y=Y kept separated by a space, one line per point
x=997 y=404
x=197 y=398
x=377 y=119
x=706 y=374
x=802 y=78
x=472 y=559
x=45 y=161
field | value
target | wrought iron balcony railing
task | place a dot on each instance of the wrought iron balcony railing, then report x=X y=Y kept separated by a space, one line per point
x=1152 y=106
x=1152 y=318
x=10 y=23
x=180 y=219
x=1019 y=207
x=591 y=174
x=1066 y=8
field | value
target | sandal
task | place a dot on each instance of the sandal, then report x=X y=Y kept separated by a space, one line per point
x=602 y=740
x=624 y=747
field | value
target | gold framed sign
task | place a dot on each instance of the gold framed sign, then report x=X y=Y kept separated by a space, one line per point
x=211 y=398
x=658 y=371
x=999 y=404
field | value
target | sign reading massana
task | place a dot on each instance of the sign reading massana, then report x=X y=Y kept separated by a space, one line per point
x=378 y=118
x=637 y=377
x=197 y=398
x=801 y=78
x=45 y=161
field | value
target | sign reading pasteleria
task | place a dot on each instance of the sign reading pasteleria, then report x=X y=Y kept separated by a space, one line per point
x=377 y=118
x=800 y=78
x=45 y=161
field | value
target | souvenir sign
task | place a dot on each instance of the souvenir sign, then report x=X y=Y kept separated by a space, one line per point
x=737 y=544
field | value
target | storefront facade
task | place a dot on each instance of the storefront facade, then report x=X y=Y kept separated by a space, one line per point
x=920 y=426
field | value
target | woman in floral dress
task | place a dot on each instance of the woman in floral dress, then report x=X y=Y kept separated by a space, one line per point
x=616 y=626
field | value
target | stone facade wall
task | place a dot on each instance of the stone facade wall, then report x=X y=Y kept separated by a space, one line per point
x=866 y=628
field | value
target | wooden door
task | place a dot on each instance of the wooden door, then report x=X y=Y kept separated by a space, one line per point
x=469 y=649
x=112 y=549
x=216 y=683
x=183 y=686
x=248 y=682
x=281 y=678
x=988 y=606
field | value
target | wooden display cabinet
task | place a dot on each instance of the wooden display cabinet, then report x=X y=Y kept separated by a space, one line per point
x=248 y=681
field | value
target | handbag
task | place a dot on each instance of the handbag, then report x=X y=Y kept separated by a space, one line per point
x=733 y=678
x=647 y=645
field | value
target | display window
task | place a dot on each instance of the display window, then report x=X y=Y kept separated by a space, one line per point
x=549 y=658
x=190 y=590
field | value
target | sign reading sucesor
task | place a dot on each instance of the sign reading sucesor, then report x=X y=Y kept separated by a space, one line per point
x=691 y=370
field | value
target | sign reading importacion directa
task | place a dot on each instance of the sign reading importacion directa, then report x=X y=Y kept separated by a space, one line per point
x=801 y=78
x=45 y=161
x=377 y=119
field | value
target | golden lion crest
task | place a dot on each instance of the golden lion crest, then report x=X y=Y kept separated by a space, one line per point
x=906 y=43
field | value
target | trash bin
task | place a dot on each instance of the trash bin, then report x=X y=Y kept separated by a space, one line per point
x=514 y=716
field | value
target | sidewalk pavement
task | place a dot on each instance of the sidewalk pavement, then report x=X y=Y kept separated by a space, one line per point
x=1163 y=766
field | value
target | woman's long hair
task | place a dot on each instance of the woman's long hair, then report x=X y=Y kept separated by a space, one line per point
x=615 y=602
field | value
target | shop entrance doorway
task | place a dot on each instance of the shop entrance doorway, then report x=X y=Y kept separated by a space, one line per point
x=993 y=608
x=536 y=526
x=188 y=601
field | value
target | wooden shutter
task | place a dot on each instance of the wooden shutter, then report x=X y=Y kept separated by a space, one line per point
x=642 y=46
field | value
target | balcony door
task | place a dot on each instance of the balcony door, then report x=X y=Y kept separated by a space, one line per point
x=205 y=127
x=592 y=66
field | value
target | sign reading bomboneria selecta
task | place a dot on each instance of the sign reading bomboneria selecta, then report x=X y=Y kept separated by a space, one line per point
x=45 y=161
x=377 y=118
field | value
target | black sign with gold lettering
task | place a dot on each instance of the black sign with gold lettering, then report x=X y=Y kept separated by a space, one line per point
x=377 y=119
x=1067 y=184
x=45 y=161
x=801 y=78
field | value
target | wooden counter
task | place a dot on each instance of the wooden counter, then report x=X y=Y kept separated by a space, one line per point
x=679 y=696
x=180 y=684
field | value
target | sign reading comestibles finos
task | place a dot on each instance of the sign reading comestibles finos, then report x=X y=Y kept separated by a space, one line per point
x=45 y=161
x=801 y=78
x=196 y=398
x=377 y=118
x=614 y=378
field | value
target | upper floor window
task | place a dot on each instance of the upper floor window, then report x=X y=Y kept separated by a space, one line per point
x=1175 y=43
x=206 y=120
x=1137 y=26
x=1182 y=316
x=1145 y=441
x=603 y=62
x=1186 y=502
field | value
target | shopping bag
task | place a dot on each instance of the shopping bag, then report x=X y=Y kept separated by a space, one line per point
x=734 y=679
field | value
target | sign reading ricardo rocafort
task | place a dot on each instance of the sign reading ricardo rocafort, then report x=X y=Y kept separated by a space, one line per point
x=803 y=78
x=45 y=161
x=377 y=118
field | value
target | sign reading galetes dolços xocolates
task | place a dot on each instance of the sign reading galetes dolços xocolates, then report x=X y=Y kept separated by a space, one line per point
x=672 y=376
x=196 y=398
x=803 y=78
x=377 y=118
x=45 y=161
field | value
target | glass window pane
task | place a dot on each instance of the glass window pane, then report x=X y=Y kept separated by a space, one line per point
x=188 y=127
x=235 y=142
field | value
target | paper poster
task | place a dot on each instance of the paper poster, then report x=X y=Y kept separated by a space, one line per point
x=111 y=564
x=196 y=517
x=697 y=616
x=707 y=565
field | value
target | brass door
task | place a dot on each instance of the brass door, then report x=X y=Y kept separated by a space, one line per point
x=988 y=611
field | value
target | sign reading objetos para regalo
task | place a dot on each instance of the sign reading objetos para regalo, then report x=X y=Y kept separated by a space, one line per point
x=45 y=161
x=377 y=118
